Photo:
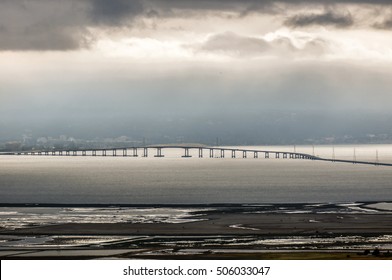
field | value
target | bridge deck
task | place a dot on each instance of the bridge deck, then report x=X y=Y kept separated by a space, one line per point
x=159 y=148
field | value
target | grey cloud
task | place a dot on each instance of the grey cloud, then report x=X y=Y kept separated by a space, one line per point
x=234 y=4
x=245 y=7
x=64 y=25
x=248 y=5
x=232 y=44
x=316 y=46
x=385 y=24
x=44 y=38
x=328 y=18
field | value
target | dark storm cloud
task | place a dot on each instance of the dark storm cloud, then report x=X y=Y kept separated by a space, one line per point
x=64 y=25
x=58 y=24
x=324 y=19
x=43 y=25
x=115 y=12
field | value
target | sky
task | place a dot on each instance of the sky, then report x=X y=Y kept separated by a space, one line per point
x=247 y=72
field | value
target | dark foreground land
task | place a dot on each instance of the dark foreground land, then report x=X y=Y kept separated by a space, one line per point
x=224 y=233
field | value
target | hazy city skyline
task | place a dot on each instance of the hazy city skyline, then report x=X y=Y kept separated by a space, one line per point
x=252 y=71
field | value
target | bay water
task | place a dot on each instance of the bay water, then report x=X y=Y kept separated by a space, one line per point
x=176 y=180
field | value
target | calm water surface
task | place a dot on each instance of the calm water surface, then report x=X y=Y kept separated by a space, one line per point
x=172 y=179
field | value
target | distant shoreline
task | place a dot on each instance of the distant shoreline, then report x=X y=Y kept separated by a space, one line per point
x=190 y=205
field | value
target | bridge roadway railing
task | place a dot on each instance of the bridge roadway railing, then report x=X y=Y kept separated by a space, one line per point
x=222 y=153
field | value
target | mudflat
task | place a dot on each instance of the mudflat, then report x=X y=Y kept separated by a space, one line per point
x=232 y=224
x=233 y=232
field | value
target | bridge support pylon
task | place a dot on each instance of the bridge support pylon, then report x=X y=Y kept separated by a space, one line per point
x=159 y=153
x=186 y=155
x=145 y=152
x=134 y=153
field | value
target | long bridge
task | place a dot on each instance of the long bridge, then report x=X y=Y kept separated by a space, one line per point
x=203 y=151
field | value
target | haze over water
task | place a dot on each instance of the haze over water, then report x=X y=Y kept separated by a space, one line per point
x=176 y=180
